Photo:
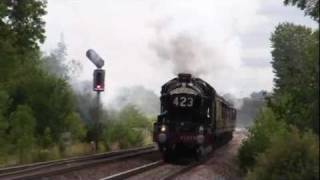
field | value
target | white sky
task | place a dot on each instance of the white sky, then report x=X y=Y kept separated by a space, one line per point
x=235 y=34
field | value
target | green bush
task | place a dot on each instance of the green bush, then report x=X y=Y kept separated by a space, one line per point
x=75 y=126
x=127 y=128
x=292 y=156
x=40 y=154
x=4 y=102
x=265 y=127
x=22 y=124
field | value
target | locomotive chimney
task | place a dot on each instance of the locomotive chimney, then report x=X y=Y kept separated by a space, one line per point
x=184 y=77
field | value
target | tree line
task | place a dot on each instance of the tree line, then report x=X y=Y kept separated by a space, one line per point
x=283 y=142
x=40 y=114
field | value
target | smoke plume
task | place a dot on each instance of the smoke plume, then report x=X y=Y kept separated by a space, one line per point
x=236 y=102
x=190 y=52
x=185 y=53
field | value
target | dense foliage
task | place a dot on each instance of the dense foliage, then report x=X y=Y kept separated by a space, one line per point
x=260 y=134
x=21 y=24
x=36 y=106
x=296 y=66
x=284 y=140
x=292 y=155
x=41 y=115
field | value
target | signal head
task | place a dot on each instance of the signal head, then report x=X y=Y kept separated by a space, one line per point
x=98 y=80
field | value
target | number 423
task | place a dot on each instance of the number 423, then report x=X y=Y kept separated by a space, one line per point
x=183 y=101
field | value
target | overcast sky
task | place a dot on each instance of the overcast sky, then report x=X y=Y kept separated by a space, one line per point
x=146 y=42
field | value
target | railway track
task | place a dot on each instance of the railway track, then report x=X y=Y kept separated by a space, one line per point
x=155 y=170
x=159 y=170
x=50 y=168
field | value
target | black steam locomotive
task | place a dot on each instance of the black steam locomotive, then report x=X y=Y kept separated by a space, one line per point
x=193 y=118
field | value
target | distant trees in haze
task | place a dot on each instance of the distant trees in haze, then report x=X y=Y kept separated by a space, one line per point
x=248 y=107
x=55 y=63
x=58 y=65
x=144 y=99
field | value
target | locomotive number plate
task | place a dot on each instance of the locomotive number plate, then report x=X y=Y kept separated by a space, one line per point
x=183 y=101
x=187 y=138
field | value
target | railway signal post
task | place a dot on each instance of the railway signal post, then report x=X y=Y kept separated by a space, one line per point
x=98 y=86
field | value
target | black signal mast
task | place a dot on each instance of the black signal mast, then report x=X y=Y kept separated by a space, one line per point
x=98 y=86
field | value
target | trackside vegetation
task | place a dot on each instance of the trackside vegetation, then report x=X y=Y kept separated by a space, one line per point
x=40 y=114
x=283 y=142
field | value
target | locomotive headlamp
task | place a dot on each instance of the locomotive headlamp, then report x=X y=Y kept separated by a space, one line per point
x=201 y=129
x=163 y=128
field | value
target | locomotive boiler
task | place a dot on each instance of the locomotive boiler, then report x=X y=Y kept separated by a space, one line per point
x=193 y=118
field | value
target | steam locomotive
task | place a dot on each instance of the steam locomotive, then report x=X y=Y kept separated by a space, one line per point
x=193 y=118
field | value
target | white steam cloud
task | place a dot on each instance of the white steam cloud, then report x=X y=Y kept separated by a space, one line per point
x=213 y=56
x=186 y=53
x=146 y=42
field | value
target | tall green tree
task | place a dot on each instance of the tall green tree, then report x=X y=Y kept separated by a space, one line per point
x=36 y=105
x=295 y=62
x=310 y=7
x=21 y=22
x=21 y=31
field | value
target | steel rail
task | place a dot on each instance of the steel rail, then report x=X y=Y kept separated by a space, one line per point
x=60 y=166
x=134 y=171
x=77 y=158
x=149 y=167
